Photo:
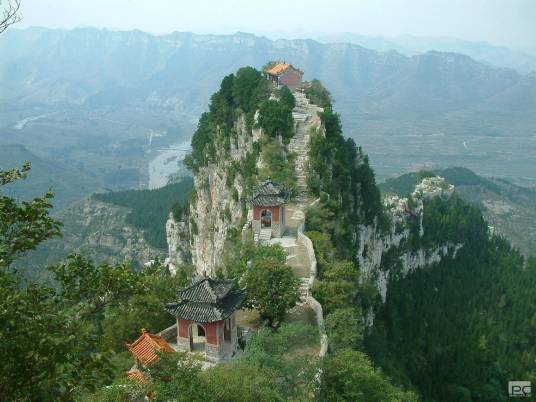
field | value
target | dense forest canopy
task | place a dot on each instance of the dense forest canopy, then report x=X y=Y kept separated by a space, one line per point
x=149 y=209
x=341 y=176
x=453 y=331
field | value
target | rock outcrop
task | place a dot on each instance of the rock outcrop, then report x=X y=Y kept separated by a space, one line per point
x=99 y=230
x=217 y=206
x=374 y=244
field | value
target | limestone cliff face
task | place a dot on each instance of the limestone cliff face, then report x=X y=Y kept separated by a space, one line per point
x=217 y=205
x=177 y=236
x=384 y=256
x=99 y=230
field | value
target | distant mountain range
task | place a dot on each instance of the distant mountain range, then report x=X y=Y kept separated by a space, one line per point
x=410 y=45
x=104 y=92
x=99 y=67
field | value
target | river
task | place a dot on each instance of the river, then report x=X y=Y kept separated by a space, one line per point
x=165 y=164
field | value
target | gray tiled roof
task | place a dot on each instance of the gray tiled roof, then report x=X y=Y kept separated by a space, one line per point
x=269 y=193
x=207 y=300
x=206 y=290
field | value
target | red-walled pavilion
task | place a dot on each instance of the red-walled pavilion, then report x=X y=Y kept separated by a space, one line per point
x=282 y=73
x=268 y=202
x=206 y=322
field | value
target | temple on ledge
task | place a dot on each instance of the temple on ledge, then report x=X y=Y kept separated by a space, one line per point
x=206 y=323
x=268 y=201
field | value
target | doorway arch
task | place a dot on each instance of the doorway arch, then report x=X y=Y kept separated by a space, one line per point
x=266 y=218
x=197 y=335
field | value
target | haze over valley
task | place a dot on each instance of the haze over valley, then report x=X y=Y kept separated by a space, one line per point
x=299 y=200
x=101 y=104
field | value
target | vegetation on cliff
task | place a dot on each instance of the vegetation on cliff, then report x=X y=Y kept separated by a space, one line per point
x=509 y=208
x=149 y=209
x=272 y=289
x=244 y=94
x=343 y=299
x=461 y=329
x=475 y=305
x=341 y=175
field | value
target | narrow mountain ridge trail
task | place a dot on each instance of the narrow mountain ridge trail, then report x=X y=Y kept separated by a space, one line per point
x=306 y=120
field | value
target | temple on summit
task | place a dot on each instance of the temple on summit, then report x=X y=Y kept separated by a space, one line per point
x=282 y=73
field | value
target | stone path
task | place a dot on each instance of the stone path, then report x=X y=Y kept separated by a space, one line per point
x=305 y=118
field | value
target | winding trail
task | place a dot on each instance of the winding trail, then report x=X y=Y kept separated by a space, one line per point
x=299 y=248
x=306 y=120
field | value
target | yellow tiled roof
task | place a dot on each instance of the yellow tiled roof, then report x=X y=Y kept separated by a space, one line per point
x=277 y=68
x=146 y=346
x=137 y=376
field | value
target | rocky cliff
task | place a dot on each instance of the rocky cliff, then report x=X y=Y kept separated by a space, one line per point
x=218 y=204
x=384 y=254
x=97 y=229
x=376 y=234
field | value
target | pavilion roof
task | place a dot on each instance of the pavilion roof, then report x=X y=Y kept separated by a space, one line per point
x=207 y=300
x=137 y=376
x=269 y=193
x=279 y=68
x=145 y=348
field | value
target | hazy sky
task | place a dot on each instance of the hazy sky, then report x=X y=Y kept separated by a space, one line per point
x=505 y=22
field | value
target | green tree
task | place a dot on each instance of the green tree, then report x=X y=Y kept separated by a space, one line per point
x=242 y=382
x=177 y=377
x=278 y=165
x=23 y=225
x=275 y=118
x=345 y=328
x=248 y=87
x=318 y=94
x=272 y=288
x=348 y=375
x=123 y=390
x=122 y=322
x=51 y=336
x=282 y=352
x=286 y=98
x=338 y=287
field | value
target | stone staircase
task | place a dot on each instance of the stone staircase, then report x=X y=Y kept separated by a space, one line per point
x=304 y=289
x=305 y=118
x=265 y=235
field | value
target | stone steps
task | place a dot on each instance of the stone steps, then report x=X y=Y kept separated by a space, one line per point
x=265 y=235
x=300 y=142
x=304 y=288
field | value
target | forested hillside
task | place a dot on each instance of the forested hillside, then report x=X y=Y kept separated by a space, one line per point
x=461 y=329
x=114 y=227
x=509 y=208
x=451 y=331
x=149 y=209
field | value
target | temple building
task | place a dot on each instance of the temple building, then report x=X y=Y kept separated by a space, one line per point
x=206 y=322
x=268 y=202
x=145 y=348
x=145 y=351
x=282 y=73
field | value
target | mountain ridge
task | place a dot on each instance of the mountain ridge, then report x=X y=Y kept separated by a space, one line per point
x=405 y=110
